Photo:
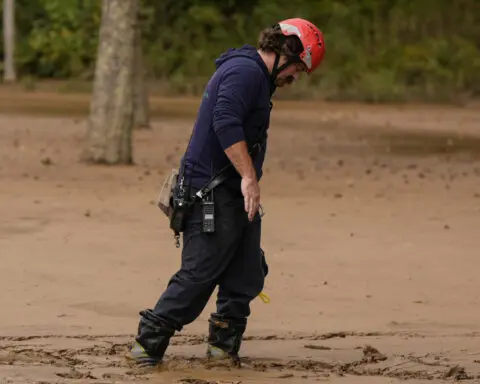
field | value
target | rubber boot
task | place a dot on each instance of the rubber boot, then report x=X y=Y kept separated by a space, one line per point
x=151 y=341
x=225 y=338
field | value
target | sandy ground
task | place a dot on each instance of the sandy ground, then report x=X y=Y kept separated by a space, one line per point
x=371 y=234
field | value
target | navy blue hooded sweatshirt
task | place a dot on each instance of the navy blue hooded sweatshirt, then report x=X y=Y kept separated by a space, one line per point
x=235 y=107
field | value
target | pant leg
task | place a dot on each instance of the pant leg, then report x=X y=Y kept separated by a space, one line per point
x=244 y=278
x=241 y=283
x=205 y=257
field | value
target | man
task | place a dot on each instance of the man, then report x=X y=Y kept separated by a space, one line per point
x=230 y=130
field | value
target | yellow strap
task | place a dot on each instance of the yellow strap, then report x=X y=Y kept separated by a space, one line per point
x=264 y=297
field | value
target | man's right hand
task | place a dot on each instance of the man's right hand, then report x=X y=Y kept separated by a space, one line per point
x=251 y=195
x=241 y=160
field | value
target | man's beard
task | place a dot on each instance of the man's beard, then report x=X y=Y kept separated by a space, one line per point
x=280 y=82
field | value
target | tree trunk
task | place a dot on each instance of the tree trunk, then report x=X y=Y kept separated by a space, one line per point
x=9 y=74
x=111 y=109
x=141 y=112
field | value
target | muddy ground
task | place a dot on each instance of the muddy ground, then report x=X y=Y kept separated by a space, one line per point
x=371 y=233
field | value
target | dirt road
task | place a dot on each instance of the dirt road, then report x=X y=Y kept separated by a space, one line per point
x=371 y=234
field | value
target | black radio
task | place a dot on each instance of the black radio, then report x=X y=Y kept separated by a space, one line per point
x=208 y=214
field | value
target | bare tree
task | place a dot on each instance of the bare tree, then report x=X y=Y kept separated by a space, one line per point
x=112 y=105
x=141 y=105
x=9 y=74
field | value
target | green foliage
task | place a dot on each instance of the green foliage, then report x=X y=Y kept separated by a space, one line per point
x=377 y=50
x=56 y=38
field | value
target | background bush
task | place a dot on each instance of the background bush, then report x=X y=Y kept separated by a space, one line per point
x=377 y=50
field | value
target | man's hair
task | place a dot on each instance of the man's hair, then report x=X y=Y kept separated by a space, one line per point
x=272 y=40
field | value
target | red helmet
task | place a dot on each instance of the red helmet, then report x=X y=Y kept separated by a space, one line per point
x=311 y=38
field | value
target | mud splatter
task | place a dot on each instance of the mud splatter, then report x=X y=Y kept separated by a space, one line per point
x=319 y=347
x=102 y=358
x=372 y=355
x=457 y=373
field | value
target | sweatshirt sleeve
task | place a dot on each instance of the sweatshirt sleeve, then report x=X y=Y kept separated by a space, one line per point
x=236 y=95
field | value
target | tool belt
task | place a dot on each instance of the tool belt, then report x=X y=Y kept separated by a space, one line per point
x=175 y=202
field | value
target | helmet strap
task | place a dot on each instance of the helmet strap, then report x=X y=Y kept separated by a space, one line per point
x=290 y=61
x=276 y=69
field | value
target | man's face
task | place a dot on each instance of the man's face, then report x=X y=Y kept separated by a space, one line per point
x=290 y=74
